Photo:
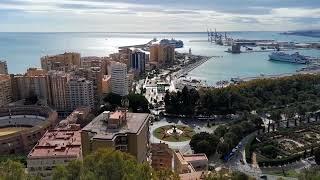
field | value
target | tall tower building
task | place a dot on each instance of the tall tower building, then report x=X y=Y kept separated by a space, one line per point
x=79 y=93
x=3 y=67
x=162 y=54
x=5 y=90
x=138 y=61
x=94 y=74
x=119 y=81
x=154 y=53
x=58 y=81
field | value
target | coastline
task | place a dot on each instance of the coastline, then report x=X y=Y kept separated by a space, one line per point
x=184 y=71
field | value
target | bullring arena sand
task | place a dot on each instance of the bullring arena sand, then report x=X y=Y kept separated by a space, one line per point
x=10 y=130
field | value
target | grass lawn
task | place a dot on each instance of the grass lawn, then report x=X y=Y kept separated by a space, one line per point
x=161 y=133
x=289 y=173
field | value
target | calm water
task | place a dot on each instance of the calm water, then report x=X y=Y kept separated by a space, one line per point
x=23 y=50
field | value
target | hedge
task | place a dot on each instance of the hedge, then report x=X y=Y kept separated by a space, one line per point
x=277 y=162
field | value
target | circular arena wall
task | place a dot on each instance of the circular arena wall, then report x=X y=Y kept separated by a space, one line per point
x=22 y=126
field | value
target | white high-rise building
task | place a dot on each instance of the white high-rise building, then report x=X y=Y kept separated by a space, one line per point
x=119 y=80
x=80 y=93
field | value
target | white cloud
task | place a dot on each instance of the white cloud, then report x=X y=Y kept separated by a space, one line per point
x=120 y=16
x=296 y=12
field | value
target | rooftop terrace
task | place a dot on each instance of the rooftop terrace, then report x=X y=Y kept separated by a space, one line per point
x=99 y=126
x=58 y=143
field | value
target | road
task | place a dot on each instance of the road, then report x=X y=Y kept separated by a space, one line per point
x=238 y=161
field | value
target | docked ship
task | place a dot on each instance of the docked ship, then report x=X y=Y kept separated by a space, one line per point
x=172 y=42
x=291 y=58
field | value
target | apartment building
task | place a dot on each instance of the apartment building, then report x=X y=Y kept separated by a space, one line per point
x=5 y=90
x=188 y=163
x=61 y=62
x=127 y=132
x=57 y=82
x=161 y=54
x=94 y=74
x=79 y=92
x=123 y=56
x=57 y=147
x=94 y=61
x=34 y=82
x=36 y=72
x=3 y=67
x=161 y=156
x=119 y=79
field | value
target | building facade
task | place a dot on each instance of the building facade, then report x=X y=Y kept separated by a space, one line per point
x=127 y=132
x=79 y=93
x=57 y=147
x=94 y=74
x=5 y=90
x=57 y=83
x=3 y=67
x=138 y=62
x=61 y=62
x=94 y=62
x=30 y=84
x=162 y=54
x=123 y=56
x=161 y=156
x=189 y=163
x=119 y=79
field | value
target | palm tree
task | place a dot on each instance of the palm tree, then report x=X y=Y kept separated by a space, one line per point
x=289 y=114
x=276 y=116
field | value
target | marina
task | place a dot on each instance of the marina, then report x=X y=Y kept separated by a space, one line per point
x=250 y=63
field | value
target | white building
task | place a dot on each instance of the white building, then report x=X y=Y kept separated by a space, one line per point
x=119 y=79
x=79 y=93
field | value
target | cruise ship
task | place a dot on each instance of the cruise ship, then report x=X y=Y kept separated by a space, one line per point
x=173 y=42
x=291 y=58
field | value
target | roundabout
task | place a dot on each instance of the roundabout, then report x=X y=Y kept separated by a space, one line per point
x=174 y=133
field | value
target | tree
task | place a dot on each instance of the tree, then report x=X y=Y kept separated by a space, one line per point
x=166 y=174
x=109 y=164
x=138 y=103
x=310 y=174
x=317 y=156
x=204 y=143
x=223 y=148
x=11 y=170
x=221 y=130
x=276 y=116
x=239 y=176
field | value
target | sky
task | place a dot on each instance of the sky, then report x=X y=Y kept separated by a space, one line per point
x=157 y=16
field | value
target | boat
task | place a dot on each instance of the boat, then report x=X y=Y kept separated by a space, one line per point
x=172 y=42
x=291 y=58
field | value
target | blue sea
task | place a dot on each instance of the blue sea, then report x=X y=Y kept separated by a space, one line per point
x=23 y=50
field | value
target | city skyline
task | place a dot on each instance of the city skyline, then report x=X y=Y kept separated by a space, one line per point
x=155 y=16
